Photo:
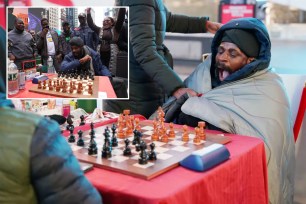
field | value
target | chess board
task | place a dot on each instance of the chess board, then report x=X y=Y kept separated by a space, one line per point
x=60 y=93
x=168 y=154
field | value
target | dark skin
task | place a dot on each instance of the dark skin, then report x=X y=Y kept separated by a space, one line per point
x=78 y=53
x=66 y=28
x=19 y=25
x=229 y=59
x=82 y=21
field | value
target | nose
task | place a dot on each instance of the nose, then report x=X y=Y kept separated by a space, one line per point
x=222 y=56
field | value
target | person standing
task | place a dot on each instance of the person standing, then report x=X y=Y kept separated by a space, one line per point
x=151 y=77
x=21 y=45
x=64 y=39
x=48 y=44
x=89 y=37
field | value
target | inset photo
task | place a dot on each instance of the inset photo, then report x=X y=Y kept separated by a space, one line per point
x=67 y=52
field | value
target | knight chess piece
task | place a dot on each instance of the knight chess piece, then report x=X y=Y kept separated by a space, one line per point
x=152 y=154
x=143 y=155
x=80 y=141
x=70 y=122
x=127 y=151
x=82 y=120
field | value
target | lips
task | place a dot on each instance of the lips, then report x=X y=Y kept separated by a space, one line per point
x=223 y=74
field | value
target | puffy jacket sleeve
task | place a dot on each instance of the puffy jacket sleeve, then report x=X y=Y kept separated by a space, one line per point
x=69 y=63
x=184 y=24
x=100 y=69
x=55 y=172
x=142 y=38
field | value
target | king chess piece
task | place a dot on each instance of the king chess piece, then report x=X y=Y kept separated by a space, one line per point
x=82 y=120
x=127 y=151
x=114 y=138
x=80 y=141
x=143 y=155
x=92 y=149
x=152 y=154
x=71 y=138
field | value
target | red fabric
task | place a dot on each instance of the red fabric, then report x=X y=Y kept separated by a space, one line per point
x=61 y=2
x=241 y=179
x=300 y=115
x=104 y=86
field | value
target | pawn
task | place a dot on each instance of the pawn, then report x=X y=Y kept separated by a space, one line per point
x=197 y=138
x=39 y=85
x=82 y=120
x=127 y=151
x=185 y=137
x=202 y=134
x=152 y=154
x=80 y=141
x=143 y=155
x=171 y=133
x=90 y=89
x=71 y=137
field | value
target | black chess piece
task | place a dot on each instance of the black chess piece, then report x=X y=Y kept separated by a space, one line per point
x=82 y=120
x=92 y=148
x=71 y=136
x=75 y=75
x=92 y=131
x=114 y=138
x=107 y=136
x=70 y=122
x=152 y=154
x=127 y=151
x=143 y=155
x=80 y=141
x=107 y=149
x=59 y=74
x=137 y=137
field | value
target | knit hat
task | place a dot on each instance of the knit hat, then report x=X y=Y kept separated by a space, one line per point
x=76 y=41
x=82 y=15
x=245 y=40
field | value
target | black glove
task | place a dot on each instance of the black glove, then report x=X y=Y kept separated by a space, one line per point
x=175 y=108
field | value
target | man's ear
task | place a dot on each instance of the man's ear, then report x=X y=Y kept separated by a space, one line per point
x=251 y=59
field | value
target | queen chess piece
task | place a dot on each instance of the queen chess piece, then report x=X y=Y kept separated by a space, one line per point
x=80 y=141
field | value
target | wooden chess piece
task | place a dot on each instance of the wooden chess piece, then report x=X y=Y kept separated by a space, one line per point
x=39 y=85
x=137 y=126
x=90 y=89
x=58 y=88
x=185 y=137
x=120 y=133
x=171 y=133
x=197 y=138
x=164 y=138
x=201 y=126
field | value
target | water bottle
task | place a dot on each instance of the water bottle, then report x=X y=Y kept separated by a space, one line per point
x=13 y=86
x=50 y=65
x=21 y=79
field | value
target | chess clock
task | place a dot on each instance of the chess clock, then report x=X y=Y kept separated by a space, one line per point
x=206 y=158
x=29 y=66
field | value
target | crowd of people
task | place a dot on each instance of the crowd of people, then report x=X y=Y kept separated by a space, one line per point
x=27 y=45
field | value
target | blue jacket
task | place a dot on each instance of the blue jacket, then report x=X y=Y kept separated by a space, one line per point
x=89 y=37
x=70 y=63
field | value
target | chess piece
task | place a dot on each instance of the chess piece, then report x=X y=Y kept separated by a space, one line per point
x=107 y=149
x=82 y=120
x=120 y=133
x=92 y=149
x=152 y=154
x=202 y=134
x=154 y=136
x=143 y=155
x=71 y=136
x=171 y=133
x=164 y=137
x=114 y=138
x=90 y=91
x=39 y=85
x=185 y=136
x=137 y=126
x=80 y=141
x=70 y=122
x=197 y=138
x=137 y=137
x=127 y=151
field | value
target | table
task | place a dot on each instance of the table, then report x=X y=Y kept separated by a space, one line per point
x=241 y=179
x=104 y=86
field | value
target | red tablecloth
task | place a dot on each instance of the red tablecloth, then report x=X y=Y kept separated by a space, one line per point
x=104 y=86
x=241 y=179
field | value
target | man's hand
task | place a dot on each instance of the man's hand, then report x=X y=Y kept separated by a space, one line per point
x=212 y=27
x=88 y=10
x=181 y=91
x=59 y=58
x=85 y=59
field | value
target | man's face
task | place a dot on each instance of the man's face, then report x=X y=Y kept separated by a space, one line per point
x=66 y=28
x=82 y=20
x=19 y=25
x=76 y=51
x=44 y=24
x=229 y=59
x=32 y=32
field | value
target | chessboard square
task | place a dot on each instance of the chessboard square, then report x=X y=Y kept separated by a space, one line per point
x=164 y=156
x=75 y=147
x=161 y=149
x=176 y=143
x=93 y=155
x=191 y=136
x=158 y=144
x=191 y=142
x=144 y=166
x=120 y=145
x=149 y=132
x=118 y=158
x=180 y=148
x=88 y=136
x=147 y=128
x=135 y=157
x=117 y=151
